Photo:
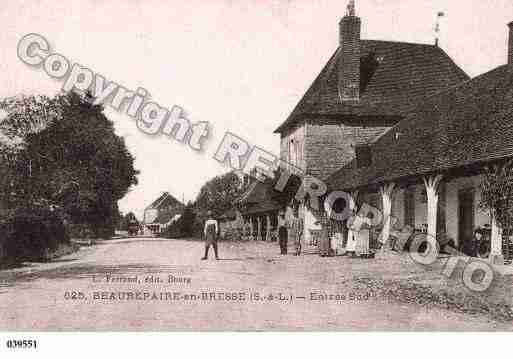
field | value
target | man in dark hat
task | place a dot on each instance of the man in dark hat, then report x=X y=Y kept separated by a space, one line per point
x=210 y=231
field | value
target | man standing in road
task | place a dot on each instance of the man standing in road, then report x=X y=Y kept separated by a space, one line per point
x=210 y=231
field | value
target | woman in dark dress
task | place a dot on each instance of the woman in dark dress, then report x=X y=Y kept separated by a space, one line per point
x=282 y=233
x=324 y=244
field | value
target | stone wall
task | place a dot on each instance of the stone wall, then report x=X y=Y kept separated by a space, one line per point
x=328 y=147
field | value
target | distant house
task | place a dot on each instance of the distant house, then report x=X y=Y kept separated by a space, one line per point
x=162 y=212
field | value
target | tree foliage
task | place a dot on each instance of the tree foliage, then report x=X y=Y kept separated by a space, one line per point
x=219 y=194
x=497 y=193
x=185 y=226
x=68 y=157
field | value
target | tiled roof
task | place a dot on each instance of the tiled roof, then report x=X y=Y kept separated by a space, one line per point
x=166 y=200
x=229 y=215
x=466 y=125
x=394 y=77
x=258 y=199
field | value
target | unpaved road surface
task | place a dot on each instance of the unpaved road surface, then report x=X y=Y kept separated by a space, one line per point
x=94 y=289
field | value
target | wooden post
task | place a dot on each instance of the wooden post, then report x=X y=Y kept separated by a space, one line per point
x=351 y=240
x=259 y=229
x=431 y=184
x=268 y=228
x=496 y=256
x=386 y=195
x=251 y=228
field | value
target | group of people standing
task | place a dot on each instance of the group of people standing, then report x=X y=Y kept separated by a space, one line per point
x=290 y=230
x=358 y=234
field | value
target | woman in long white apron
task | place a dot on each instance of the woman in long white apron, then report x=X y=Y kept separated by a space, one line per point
x=352 y=225
x=358 y=235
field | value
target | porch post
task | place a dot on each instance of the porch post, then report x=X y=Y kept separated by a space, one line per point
x=386 y=195
x=351 y=240
x=352 y=202
x=259 y=229
x=251 y=228
x=431 y=184
x=496 y=256
x=268 y=229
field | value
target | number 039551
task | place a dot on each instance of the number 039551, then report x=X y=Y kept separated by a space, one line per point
x=21 y=344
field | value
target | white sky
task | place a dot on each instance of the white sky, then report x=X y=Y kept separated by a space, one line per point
x=241 y=65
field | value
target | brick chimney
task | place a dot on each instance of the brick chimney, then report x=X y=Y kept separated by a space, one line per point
x=349 y=58
x=510 y=47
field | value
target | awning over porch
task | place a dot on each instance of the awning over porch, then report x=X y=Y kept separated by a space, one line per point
x=258 y=199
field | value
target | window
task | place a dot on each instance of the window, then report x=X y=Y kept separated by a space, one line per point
x=295 y=152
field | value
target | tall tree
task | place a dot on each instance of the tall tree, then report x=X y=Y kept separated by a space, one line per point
x=219 y=194
x=71 y=158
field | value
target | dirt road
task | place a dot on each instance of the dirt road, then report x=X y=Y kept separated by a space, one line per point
x=153 y=284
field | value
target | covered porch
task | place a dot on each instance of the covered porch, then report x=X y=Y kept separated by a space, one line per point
x=259 y=211
x=260 y=226
x=444 y=206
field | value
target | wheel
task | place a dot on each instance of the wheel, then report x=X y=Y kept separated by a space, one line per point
x=484 y=249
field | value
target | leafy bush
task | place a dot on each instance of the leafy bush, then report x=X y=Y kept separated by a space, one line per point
x=497 y=193
x=79 y=231
x=185 y=226
x=31 y=234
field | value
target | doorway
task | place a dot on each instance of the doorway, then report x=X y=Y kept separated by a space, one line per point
x=466 y=222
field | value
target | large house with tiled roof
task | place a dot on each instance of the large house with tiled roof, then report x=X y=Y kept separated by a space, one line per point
x=367 y=87
x=427 y=170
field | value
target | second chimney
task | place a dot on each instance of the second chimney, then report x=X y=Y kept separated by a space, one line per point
x=349 y=57
x=510 y=47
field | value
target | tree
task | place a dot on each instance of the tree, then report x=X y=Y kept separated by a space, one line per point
x=187 y=221
x=185 y=226
x=219 y=194
x=70 y=157
x=497 y=193
x=20 y=116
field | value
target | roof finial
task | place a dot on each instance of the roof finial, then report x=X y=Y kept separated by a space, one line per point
x=351 y=8
x=440 y=15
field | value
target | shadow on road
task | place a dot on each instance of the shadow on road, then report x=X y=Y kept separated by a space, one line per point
x=88 y=271
x=232 y=259
x=63 y=260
